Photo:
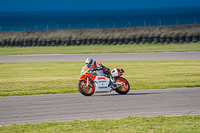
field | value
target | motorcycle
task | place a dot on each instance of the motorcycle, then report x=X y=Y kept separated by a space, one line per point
x=91 y=81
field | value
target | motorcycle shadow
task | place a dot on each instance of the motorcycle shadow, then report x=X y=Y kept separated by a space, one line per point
x=116 y=94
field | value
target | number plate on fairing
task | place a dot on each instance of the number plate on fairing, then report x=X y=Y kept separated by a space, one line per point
x=102 y=84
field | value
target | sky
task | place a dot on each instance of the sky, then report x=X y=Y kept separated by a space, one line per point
x=64 y=5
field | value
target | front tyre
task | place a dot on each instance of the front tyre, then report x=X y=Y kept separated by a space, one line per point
x=123 y=86
x=83 y=89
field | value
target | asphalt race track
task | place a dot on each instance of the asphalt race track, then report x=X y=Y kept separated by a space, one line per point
x=68 y=107
x=102 y=57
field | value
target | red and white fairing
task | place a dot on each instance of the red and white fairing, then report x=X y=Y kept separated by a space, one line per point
x=116 y=72
x=102 y=84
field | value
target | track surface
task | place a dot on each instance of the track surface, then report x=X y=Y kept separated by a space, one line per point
x=65 y=107
x=102 y=57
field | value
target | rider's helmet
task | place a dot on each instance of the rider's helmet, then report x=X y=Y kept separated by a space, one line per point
x=89 y=62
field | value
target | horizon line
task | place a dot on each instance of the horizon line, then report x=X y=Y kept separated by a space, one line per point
x=100 y=9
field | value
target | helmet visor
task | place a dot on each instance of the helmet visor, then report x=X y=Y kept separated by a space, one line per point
x=89 y=64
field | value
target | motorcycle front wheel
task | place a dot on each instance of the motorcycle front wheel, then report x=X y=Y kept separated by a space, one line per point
x=83 y=89
x=123 y=86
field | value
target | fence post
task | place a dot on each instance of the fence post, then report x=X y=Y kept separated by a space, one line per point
x=69 y=26
x=57 y=27
x=114 y=25
x=36 y=27
x=195 y=20
x=177 y=21
x=82 y=26
x=145 y=24
x=160 y=22
x=129 y=24
x=24 y=28
x=47 y=27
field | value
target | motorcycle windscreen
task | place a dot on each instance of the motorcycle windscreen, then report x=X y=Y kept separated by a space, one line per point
x=83 y=69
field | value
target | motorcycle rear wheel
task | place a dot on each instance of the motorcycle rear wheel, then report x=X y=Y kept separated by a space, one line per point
x=82 y=87
x=122 y=89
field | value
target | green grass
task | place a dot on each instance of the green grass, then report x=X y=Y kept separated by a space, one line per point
x=55 y=77
x=160 y=124
x=141 y=48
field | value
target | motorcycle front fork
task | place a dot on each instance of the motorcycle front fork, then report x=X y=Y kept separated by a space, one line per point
x=88 y=82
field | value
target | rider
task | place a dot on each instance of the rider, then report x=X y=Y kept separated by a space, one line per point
x=96 y=66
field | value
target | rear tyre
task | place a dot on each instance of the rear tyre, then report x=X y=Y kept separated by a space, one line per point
x=122 y=89
x=82 y=87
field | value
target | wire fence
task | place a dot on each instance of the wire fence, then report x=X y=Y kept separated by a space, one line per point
x=98 y=25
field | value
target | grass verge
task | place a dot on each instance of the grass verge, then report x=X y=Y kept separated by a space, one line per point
x=62 y=77
x=175 y=124
x=141 y=48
